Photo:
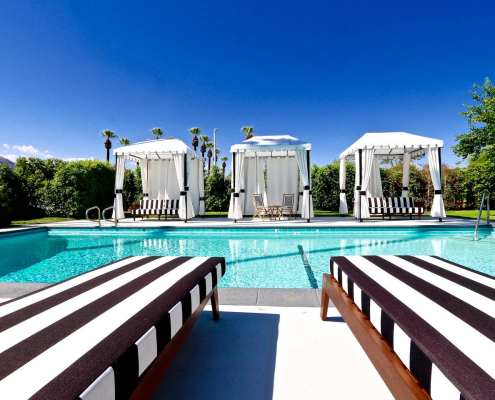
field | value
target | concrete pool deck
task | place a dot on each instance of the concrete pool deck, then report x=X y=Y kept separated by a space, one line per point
x=210 y=222
x=256 y=352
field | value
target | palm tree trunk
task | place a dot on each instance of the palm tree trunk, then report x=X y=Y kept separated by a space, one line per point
x=108 y=155
x=209 y=164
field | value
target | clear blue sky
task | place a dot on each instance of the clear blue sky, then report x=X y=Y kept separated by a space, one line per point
x=326 y=72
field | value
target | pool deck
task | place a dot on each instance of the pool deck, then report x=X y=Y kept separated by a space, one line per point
x=316 y=223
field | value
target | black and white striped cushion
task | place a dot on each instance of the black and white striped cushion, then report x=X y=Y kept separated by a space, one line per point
x=95 y=335
x=439 y=317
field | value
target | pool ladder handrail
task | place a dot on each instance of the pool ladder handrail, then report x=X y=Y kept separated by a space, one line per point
x=479 y=214
x=99 y=214
x=114 y=220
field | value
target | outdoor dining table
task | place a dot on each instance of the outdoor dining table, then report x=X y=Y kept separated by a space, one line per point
x=274 y=212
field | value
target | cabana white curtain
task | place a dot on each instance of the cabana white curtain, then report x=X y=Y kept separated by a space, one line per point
x=201 y=183
x=375 y=185
x=368 y=157
x=281 y=178
x=119 y=185
x=307 y=200
x=144 y=179
x=356 y=185
x=193 y=183
x=437 y=208
x=163 y=182
x=406 y=166
x=235 y=208
x=343 y=201
x=254 y=182
x=184 y=197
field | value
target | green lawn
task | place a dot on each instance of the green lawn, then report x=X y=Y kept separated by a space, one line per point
x=37 y=221
x=471 y=214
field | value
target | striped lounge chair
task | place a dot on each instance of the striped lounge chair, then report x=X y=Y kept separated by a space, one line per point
x=155 y=207
x=395 y=206
x=427 y=324
x=110 y=333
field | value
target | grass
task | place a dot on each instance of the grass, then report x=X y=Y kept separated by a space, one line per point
x=471 y=214
x=37 y=221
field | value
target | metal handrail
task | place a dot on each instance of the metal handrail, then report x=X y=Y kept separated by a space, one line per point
x=115 y=220
x=99 y=214
x=479 y=217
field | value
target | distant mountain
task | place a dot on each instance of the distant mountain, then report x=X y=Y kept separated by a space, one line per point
x=9 y=163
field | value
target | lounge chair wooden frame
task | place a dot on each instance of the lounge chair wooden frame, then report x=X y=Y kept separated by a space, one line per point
x=286 y=208
x=153 y=377
x=261 y=212
x=398 y=378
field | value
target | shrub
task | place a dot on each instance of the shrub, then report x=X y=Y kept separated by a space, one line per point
x=10 y=194
x=78 y=186
x=326 y=189
x=216 y=192
x=33 y=173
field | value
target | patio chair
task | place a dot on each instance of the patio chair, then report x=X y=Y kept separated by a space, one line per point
x=259 y=205
x=425 y=323
x=288 y=205
x=110 y=333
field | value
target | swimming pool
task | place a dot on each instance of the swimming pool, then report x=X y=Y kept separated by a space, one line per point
x=271 y=258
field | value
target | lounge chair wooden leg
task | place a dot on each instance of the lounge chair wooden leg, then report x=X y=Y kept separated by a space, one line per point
x=214 y=304
x=420 y=216
x=324 y=298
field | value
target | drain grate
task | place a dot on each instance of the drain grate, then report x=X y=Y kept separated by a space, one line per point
x=307 y=268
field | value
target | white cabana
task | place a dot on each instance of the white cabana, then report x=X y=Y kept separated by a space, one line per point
x=170 y=170
x=284 y=156
x=372 y=147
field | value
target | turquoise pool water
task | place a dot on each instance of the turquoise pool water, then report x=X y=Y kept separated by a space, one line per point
x=255 y=258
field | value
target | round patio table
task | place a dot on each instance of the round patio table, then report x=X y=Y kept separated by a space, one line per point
x=274 y=212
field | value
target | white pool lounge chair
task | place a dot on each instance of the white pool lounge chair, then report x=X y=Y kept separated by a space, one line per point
x=395 y=206
x=427 y=324
x=108 y=334
x=155 y=207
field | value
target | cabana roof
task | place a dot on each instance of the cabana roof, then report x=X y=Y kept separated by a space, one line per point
x=156 y=150
x=266 y=146
x=392 y=144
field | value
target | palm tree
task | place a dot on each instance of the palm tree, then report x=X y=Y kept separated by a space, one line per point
x=157 y=132
x=209 y=145
x=195 y=131
x=224 y=164
x=108 y=144
x=217 y=152
x=205 y=139
x=248 y=131
x=124 y=142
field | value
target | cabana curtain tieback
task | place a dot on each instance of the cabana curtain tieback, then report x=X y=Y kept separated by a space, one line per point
x=301 y=193
x=440 y=191
x=405 y=188
x=201 y=199
x=342 y=190
x=362 y=192
x=358 y=187
x=307 y=187
x=236 y=194
x=242 y=191
x=145 y=194
x=117 y=191
x=186 y=188
x=183 y=193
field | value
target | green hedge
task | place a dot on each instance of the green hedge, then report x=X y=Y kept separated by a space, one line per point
x=78 y=186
